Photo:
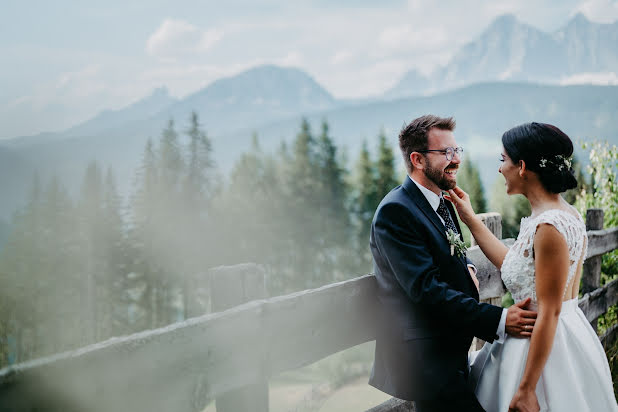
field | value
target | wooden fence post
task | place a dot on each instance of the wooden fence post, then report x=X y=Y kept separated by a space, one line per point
x=493 y=221
x=591 y=276
x=232 y=286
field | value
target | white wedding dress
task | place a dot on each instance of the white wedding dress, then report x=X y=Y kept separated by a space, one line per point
x=576 y=376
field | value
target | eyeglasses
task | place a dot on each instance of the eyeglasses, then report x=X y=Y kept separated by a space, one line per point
x=449 y=152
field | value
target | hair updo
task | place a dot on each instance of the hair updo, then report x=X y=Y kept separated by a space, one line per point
x=545 y=149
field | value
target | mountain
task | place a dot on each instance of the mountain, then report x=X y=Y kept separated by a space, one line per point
x=509 y=50
x=107 y=120
x=232 y=109
x=139 y=111
x=590 y=47
x=482 y=111
x=258 y=95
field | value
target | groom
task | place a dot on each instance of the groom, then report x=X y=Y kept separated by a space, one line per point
x=427 y=290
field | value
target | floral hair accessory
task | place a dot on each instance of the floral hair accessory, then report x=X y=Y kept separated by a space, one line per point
x=559 y=162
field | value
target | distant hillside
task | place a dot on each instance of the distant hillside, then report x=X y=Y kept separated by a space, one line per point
x=259 y=94
x=482 y=111
x=509 y=50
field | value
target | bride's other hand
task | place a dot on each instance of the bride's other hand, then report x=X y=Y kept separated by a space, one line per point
x=524 y=401
x=461 y=200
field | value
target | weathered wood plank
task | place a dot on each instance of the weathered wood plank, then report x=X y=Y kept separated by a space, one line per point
x=210 y=355
x=489 y=276
x=591 y=276
x=232 y=286
x=602 y=241
x=173 y=367
x=394 y=405
x=597 y=302
x=493 y=221
x=599 y=243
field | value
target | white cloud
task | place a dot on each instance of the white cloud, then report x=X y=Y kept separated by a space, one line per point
x=414 y=5
x=405 y=38
x=176 y=38
x=292 y=59
x=341 y=57
x=352 y=51
x=602 y=79
x=602 y=11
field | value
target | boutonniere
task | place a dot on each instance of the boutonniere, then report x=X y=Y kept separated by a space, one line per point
x=457 y=245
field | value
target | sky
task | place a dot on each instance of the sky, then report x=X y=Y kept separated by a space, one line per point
x=65 y=61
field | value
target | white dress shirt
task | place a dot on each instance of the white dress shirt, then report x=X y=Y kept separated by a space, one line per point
x=434 y=202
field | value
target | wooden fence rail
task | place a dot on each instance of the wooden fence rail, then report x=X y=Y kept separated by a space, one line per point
x=182 y=366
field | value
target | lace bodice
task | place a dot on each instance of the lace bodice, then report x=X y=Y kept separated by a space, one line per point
x=518 y=267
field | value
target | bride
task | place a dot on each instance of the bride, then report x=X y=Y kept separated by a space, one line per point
x=562 y=366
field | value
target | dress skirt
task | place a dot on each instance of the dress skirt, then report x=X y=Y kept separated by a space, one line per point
x=576 y=376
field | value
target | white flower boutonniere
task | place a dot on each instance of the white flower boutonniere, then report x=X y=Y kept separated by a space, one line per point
x=457 y=245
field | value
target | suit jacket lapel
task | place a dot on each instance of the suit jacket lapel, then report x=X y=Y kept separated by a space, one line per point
x=422 y=203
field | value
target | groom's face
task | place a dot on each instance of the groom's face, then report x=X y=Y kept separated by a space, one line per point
x=440 y=171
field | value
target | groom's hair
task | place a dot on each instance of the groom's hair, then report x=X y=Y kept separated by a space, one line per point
x=413 y=137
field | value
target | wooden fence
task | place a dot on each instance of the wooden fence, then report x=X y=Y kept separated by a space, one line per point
x=231 y=355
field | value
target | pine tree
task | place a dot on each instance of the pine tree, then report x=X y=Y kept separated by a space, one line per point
x=58 y=307
x=334 y=222
x=386 y=178
x=304 y=189
x=195 y=228
x=91 y=260
x=145 y=211
x=116 y=263
x=20 y=258
x=365 y=202
x=199 y=185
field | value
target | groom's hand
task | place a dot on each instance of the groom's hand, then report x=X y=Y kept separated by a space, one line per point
x=519 y=320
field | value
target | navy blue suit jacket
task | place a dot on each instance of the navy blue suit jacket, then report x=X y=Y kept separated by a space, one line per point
x=429 y=308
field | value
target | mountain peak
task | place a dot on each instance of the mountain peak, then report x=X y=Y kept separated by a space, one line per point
x=160 y=92
x=261 y=92
x=270 y=72
x=577 y=23
x=579 y=18
x=504 y=21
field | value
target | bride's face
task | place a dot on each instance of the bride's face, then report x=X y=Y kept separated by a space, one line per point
x=510 y=171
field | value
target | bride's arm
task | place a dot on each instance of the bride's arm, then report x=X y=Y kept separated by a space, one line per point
x=491 y=246
x=552 y=266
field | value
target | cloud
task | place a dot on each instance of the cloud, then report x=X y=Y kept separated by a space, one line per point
x=601 y=79
x=601 y=11
x=342 y=57
x=177 y=38
x=292 y=59
x=405 y=38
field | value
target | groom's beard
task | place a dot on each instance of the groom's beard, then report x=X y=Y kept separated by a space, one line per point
x=439 y=177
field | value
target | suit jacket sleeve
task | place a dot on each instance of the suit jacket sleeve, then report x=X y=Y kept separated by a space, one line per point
x=406 y=253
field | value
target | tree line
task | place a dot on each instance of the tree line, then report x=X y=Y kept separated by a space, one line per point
x=77 y=270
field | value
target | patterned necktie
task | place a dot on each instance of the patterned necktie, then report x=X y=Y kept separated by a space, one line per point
x=446 y=216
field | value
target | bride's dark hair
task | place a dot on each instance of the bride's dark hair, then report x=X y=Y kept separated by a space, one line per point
x=546 y=150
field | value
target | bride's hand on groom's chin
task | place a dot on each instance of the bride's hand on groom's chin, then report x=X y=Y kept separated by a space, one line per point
x=519 y=320
x=461 y=201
